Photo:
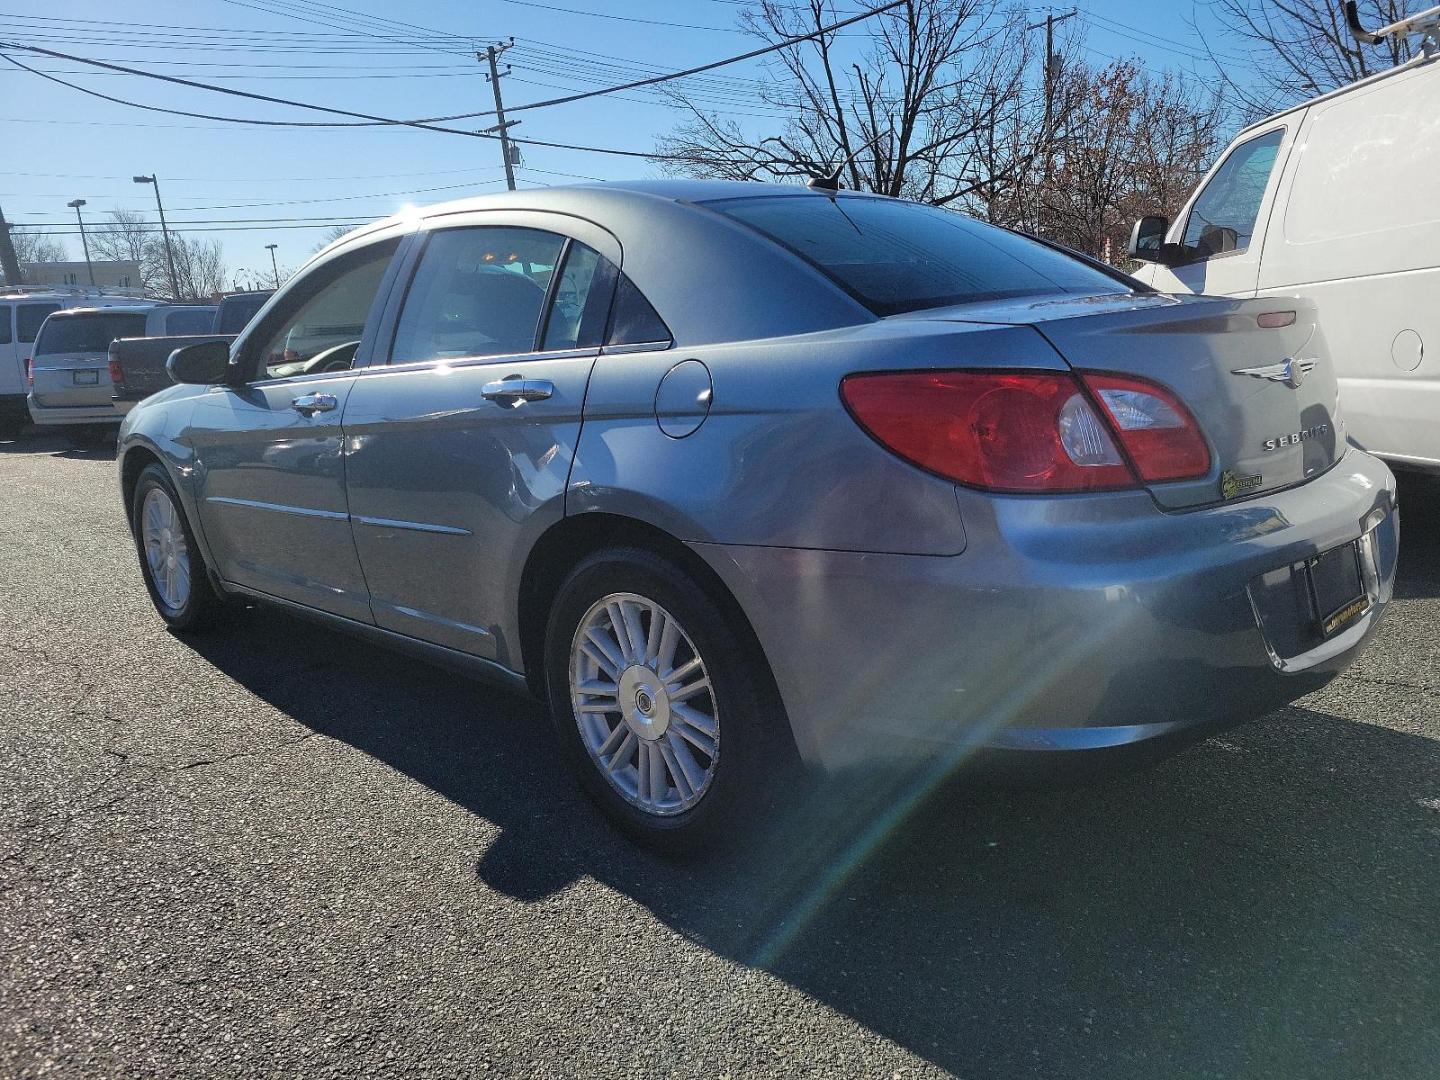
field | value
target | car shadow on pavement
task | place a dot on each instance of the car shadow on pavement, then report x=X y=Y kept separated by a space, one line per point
x=1255 y=906
x=1419 y=575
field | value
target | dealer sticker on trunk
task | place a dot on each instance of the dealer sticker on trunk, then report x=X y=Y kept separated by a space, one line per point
x=1233 y=484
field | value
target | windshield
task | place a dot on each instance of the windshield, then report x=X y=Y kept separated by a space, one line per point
x=896 y=256
x=87 y=333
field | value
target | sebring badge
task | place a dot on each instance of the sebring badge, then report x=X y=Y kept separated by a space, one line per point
x=1289 y=371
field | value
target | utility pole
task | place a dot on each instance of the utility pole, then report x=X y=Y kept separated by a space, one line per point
x=8 y=262
x=491 y=54
x=75 y=205
x=165 y=232
x=271 y=248
x=1046 y=133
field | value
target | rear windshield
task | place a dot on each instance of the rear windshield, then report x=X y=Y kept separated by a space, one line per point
x=236 y=311
x=194 y=321
x=87 y=333
x=896 y=256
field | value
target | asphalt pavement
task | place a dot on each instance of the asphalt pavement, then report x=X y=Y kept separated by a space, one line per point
x=274 y=850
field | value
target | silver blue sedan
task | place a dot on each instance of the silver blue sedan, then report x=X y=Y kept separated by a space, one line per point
x=734 y=476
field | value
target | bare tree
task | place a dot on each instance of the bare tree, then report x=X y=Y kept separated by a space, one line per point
x=910 y=113
x=126 y=237
x=199 y=266
x=1134 y=143
x=328 y=237
x=37 y=247
x=1301 y=48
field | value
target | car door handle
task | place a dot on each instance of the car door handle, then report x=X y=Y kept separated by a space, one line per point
x=310 y=404
x=513 y=391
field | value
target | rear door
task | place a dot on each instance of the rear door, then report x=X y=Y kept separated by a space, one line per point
x=70 y=364
x=460 y=449
x=271 y=479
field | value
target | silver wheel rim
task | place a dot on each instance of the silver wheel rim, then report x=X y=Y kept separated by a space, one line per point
x=644 y=704
x=166 y=554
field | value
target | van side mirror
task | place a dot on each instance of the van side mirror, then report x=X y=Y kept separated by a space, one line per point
x=205 y=363
x=1147 y=239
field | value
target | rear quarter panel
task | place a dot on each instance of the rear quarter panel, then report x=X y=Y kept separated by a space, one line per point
x=778 y=461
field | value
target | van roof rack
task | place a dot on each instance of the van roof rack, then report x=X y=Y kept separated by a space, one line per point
x=1426 y=22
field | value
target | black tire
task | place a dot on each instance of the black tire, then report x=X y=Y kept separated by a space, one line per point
x=753 y=741
x=202 y=603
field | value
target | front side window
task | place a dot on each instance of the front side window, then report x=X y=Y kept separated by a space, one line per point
x=88 y=333
x=1222 y=221
x=322 y=333
x=895 y=256
x=479 y=292
x=28 y=318
x=198 y=321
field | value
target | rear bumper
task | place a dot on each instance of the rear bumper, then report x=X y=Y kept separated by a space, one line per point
x=1082 y=623
x=49 y=415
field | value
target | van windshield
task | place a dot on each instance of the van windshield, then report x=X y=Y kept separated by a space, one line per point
x=87 y=333
x=896 y=256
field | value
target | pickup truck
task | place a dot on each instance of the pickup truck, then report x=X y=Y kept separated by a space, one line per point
x=137 y=365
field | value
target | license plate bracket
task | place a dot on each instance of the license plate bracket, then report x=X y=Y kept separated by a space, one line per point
x=86 y=378
x=1337 y=588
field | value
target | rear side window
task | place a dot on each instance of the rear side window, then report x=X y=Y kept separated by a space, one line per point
x=634 y=321
x=5 y=338
x=28 y=318
x=87 y=333
x=237 y=311
x=198 y=321
x=581 y=301
x=1223 y=218
x=894 y=256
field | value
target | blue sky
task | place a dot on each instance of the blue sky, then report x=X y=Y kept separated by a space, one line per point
x=272 y=185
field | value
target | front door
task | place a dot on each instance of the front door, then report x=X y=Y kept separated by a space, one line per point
x=270 y=482
x=1223 y=230
x=460 y=449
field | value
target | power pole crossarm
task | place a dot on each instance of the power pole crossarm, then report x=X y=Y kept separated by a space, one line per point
x=491 y=55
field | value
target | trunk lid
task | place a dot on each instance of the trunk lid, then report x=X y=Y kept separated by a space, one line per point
x=1264 y=396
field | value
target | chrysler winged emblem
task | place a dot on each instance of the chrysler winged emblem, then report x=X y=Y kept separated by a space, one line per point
x=1289 y=371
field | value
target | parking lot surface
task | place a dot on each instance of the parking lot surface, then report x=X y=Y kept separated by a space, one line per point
x=274 y=850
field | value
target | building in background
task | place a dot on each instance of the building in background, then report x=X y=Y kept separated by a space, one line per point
x=123 y=274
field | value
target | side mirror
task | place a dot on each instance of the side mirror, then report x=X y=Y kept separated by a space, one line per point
x=1147 y=238
x=205 y=363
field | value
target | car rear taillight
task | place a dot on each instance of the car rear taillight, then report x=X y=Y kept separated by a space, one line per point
x=1029 y=431
x=30 y=373
x=1159 y=435
x=117 y=373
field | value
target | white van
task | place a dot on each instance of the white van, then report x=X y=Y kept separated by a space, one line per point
x=69 y=373
x=1338 y=201
x=22 y=310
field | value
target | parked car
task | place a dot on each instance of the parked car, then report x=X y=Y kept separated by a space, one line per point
x=69 y=374
x=728 y=473
x=1334 y=201
x=22 y=310
x=138 y=365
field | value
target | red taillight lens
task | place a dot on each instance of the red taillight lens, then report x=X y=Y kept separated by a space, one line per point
x=1158 y=433
x=117 y=374
x=1004 y=431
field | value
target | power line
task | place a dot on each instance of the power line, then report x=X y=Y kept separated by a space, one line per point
x=431 y=121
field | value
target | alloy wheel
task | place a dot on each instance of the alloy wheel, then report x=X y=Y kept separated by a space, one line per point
x=644 y=704
x=166 y=553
